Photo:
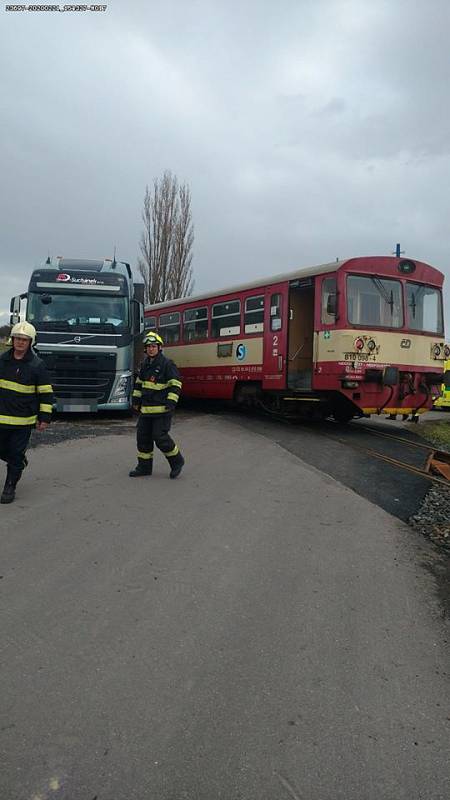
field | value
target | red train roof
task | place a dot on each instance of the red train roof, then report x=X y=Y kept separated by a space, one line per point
x=365 y=263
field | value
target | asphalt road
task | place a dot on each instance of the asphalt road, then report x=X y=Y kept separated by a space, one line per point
x=337 y=450
x=251 y=631
x=342 y=452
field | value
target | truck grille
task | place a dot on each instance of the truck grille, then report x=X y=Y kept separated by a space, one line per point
x=81 y=376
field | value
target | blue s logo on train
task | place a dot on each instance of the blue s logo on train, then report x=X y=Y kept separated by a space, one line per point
x=241 y=352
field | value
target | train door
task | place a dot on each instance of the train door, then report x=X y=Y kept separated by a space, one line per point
x=275 y=336
x=300 y=334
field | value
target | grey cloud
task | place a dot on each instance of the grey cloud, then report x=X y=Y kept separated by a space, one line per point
x=334 y=107
x=306 y=130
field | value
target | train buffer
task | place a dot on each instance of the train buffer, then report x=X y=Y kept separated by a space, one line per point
x=438 y=462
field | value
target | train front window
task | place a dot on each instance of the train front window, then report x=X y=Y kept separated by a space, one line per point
x=424 y=308
x=374 y=302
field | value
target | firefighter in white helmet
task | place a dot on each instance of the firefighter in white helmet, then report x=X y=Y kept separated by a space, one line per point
x=26 y=399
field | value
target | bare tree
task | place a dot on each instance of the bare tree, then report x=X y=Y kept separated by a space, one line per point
x=180 y=273
x=167 y=240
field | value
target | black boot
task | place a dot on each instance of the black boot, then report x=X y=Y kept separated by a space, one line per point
x=144 y=467
x=9 y=491
x=176 y=465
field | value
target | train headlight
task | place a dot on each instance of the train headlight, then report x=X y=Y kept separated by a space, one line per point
x=371 y=345
x=447 y=352
x=359 y=343
x=406 y=267
x=436 y=351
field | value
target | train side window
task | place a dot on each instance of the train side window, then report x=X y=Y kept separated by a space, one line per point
x=226 y=319
x=169 y=327
x=254 y=314
x=329 y=301
x=275 y=312
x=195 y=325
x=150 y=324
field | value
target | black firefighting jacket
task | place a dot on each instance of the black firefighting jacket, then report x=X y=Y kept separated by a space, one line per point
x=26 y=395
x=158 y=386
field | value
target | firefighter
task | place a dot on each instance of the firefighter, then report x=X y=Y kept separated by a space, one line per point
x=155 y=396
x=26 y=399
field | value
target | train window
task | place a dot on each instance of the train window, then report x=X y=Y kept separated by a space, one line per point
x=254 y=314
x=374 y=301
x=329 y=301
x=424 y=308
x=169 y=327
x=195 y=324
x=275 y=312
x=226 y=319
x=150 y=323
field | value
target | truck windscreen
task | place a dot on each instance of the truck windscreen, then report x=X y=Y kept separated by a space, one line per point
x=78 y=312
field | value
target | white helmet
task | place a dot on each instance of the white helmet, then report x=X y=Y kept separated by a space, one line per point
x=24 y=329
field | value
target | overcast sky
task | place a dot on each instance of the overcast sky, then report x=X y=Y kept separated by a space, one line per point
x=306 y=129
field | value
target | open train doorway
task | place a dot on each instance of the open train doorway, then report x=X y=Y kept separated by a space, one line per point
x=300 y=335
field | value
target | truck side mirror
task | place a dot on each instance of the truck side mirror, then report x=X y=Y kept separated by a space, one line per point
x=138 y=317
x=14 y=308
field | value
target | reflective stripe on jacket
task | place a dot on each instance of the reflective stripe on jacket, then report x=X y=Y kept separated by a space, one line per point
x=26 y=394
x=158 y=386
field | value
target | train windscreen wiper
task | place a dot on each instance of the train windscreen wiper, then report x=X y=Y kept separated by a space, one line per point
x=388 y=298
x=414 y=300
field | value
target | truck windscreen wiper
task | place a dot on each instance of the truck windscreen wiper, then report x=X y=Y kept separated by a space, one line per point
x=53 y=324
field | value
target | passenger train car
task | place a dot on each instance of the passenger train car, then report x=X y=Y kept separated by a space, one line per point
x=350 y=338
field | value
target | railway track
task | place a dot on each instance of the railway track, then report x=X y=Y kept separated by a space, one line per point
x=437 y=463
x=436 y=466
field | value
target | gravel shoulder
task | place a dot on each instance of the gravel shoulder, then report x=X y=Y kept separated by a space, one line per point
x=433 y=518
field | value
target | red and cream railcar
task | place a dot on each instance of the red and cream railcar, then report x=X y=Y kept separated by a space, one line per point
x=361 y=336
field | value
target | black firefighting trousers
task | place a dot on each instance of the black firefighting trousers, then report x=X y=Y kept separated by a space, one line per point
x=155 y=430
x=13 y=444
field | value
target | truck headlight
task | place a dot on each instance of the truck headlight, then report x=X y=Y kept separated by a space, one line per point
x=122 y=388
